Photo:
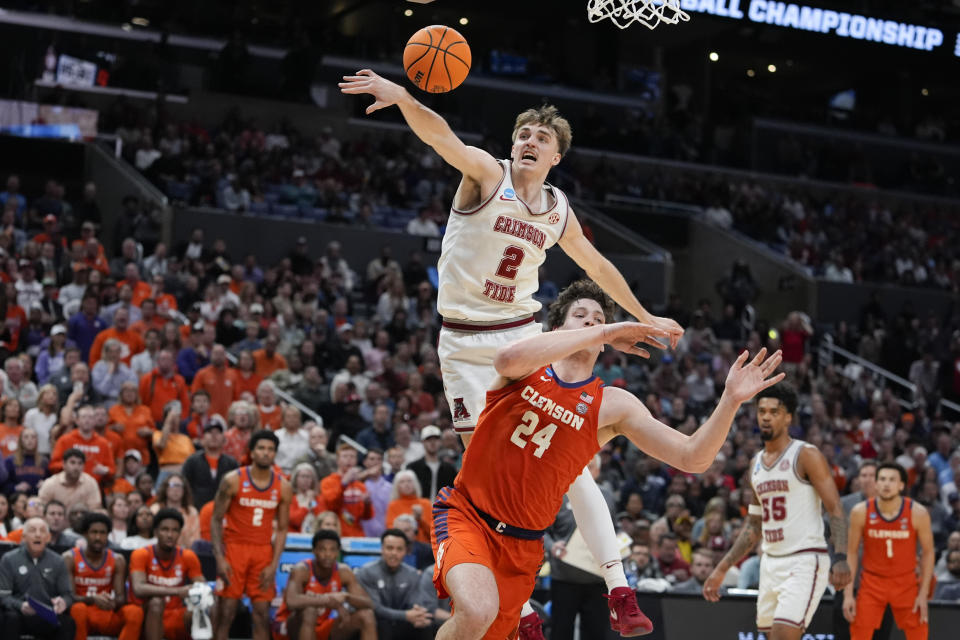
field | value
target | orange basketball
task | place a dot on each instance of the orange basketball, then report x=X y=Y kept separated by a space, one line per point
x=437 y=59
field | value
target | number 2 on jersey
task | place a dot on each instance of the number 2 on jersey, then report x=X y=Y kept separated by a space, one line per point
x=257 y=517
x=540 y=438
x=510 y=264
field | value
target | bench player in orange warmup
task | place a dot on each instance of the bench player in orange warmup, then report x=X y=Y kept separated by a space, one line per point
x=249 y=499
x=160 y=578
x=546 y=416
x=318 y=588
x=890 y=526
x=99 y=579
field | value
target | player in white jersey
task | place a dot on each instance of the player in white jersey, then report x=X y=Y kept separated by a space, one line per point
x=791 y=483
x=503 y=219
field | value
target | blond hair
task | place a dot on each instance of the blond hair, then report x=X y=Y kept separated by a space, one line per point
x=547 y=116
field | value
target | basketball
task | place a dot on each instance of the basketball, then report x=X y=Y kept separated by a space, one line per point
x=437 y=59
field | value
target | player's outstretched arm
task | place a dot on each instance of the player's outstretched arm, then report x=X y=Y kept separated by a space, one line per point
x=921 y=522
x=623 y=414
x=521 y=358
x=605 y=274
x=858 y=516
x=472 y=162
x=814 y=465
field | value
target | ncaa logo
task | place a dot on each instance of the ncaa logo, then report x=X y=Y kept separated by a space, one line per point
x=784 y=465
x=509 y=194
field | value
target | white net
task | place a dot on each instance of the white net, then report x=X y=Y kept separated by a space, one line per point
x=624 y=13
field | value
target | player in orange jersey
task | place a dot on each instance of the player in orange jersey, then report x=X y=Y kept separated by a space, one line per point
x=98 y=576
x=160 y=577
x=544 y=419
x=249 y=499
x=318 y=588
x=891 y=526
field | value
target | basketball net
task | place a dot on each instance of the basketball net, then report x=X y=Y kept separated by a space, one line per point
x=649 y=13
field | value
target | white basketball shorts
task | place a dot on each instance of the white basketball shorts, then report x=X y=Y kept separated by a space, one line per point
x=466 y=364
x=791 y=588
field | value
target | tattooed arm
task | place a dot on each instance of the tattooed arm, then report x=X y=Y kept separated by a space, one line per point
x=749 y=536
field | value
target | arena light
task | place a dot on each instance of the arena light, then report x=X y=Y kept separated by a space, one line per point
x=772 y=68
x=408 y=12
x=464 y=21
x=140 y=22
x=751 y=73
x=714 y=56
x=924 y=91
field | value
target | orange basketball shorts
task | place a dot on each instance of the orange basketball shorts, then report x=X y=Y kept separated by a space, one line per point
x=125 y=623
x=460 y=537
x=247 y=562
x=174 y=625
x=323 y=629
x=875 y=594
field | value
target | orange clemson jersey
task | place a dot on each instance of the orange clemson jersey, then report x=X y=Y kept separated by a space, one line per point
x=89 y=580
x=532 y=440
x=889 y=546
x=332 y=585
x=180 y=570
x=251 y=513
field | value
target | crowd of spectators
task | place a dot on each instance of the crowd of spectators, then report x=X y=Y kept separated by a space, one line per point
x=393 y=181
x=133 y=379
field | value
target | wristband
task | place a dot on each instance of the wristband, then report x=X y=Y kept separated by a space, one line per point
x=755 y=510
x=839 y=557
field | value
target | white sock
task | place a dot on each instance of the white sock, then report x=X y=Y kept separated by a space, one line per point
x=526 y=610
x=596 y=526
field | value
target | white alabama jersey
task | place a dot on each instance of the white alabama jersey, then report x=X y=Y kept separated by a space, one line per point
x=491 y=255
x=792 y=511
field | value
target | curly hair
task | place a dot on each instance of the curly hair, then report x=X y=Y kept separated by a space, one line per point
x=579 y=290
x=546 y=116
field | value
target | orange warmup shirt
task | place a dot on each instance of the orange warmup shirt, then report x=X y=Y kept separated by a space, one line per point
x=221 y=384
x=96 y=448
x=129 y=337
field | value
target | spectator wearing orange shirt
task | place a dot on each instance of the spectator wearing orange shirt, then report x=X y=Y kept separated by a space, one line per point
x=99 y=461
x=247 y=377
x=166 y=303
x=267 y=359
x=149 y=318
x=406 y=497
x=93 y=256
x=271 y=414
x=172 y=447
x=219 y=380
x=162 y=385
x=131 y=276
x=199 y=416
x=345 y=494
x=134 y=419
x=131 y=340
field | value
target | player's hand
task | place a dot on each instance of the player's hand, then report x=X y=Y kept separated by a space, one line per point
x=624 y=336
x=60 y=605
x=336 y=599
x=267 y=577
x=417 y=511
x=418 y=616
x=385 y=93
x=559 y=549
x=100 y=470
x=103 y=601
x=746 y=380
x=711 y=587
x=224 y=571
x=840 y=575
x=921 y=604
x=671 y=326
x=849 y=607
